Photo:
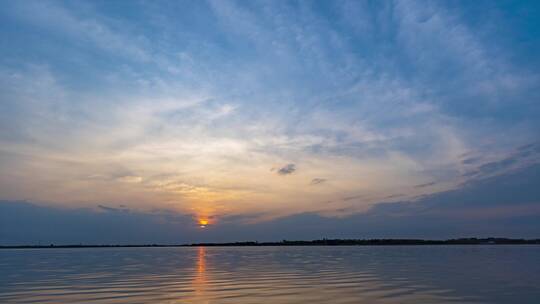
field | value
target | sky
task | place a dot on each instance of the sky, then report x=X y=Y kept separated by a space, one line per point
x=130 y=121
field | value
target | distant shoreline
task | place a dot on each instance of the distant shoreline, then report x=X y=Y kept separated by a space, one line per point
x=323 y=242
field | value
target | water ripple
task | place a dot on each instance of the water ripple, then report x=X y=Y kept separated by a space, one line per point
x=439 y=274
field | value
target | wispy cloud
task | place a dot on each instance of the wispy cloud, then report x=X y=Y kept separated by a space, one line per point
x=317 y=181
x=425 y=185
x=159 y=111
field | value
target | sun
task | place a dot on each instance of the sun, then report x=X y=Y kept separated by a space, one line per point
x=203 y=223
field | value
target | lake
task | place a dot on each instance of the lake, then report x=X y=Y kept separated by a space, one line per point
x=341 y=274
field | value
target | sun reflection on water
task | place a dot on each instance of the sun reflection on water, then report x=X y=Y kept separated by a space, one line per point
x=199 y=279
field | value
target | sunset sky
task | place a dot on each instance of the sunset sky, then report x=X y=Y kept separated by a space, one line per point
x=134 y=120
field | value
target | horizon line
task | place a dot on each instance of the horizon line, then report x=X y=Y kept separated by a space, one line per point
x=317 y=242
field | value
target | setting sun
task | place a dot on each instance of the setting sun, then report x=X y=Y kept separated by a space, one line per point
x=203 y=223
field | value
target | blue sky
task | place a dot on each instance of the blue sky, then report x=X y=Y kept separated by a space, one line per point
x=252 y=113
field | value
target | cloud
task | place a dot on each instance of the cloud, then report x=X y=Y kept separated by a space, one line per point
x=130 y=179
x=88 y=226
x=425 y=185
x=393 y=196
x=112 y=209
x=273 y=84
x=353 y=197
x=287 y=169
x=507 y=205
x=470 y=161
x=95 y=29
x=317 y=181
x=518 y=158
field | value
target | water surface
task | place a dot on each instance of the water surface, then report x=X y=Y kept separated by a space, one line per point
x=355 y=274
